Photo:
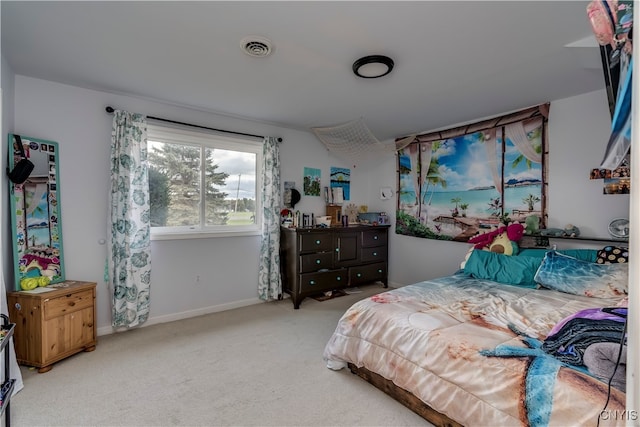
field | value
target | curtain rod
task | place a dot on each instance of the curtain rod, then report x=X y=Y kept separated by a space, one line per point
x=110 y=110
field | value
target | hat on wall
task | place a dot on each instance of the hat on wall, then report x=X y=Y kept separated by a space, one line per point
x=23 y=168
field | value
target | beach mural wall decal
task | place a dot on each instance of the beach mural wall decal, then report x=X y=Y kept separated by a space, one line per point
x=457 y=182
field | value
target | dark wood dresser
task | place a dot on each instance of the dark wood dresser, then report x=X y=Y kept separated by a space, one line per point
x=316 y=260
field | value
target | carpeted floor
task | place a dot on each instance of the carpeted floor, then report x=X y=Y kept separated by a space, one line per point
x=254 y=366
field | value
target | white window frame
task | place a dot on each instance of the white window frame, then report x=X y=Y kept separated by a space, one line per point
x=204 y=139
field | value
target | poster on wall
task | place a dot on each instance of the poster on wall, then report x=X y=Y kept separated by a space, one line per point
x=341 y=178
x=311 y=185
x=456 y=183
x=617 y=181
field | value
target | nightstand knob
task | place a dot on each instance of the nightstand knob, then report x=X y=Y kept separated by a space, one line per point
x=375 y=254
x=317 y=261
x=359 y=275
x=312 y=282
x=380 y=271
x=338 y=278
x=375 y=237
x=317 y=242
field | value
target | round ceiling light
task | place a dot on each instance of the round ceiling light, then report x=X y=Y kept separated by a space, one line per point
x=373 y=66
x=256 y=46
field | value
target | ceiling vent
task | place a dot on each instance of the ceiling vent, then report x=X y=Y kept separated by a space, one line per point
x=256 y=46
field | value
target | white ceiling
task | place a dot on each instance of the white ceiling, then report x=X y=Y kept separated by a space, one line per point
x=454 y=61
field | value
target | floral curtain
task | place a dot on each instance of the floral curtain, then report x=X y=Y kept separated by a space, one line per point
x=269 y=280
x=129 y=257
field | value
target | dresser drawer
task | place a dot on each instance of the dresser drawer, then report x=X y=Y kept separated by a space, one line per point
x=315 y=262
x=374 y=237
x=377 y=253
x=323 y=281
x=368 y=273
x=67 y=304
x=316 y=242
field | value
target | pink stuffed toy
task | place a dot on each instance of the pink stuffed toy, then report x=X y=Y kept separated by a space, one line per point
x=514 y=233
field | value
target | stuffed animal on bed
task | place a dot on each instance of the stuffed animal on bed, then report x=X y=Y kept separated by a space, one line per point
x=503 y=240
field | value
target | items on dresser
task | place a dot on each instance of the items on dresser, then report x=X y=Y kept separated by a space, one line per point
x=316 y=260
x=53 y=323
x=335 y=212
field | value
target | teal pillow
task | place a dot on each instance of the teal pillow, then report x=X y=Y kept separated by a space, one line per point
x=573 y=276
x=510 y=270
x=590 y=255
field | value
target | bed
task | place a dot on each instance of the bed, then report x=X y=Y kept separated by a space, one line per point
x=471 y=348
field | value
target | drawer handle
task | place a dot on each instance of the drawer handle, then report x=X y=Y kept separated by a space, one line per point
x=317 y=261
x=337 y=249
x=317 y=242
x=359 y=275
x=312 y=282
x=375 y=254
x=380 y=271
x=375 y=237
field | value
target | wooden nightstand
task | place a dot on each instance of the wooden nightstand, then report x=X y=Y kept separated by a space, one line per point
x=55 y=324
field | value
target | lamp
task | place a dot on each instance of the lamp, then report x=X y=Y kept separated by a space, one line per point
x=373 y=66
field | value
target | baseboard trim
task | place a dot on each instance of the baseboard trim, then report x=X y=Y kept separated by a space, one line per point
x=107 y=330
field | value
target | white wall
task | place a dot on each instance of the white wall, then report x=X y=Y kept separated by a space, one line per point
x=76 y=119
x=7 y=81
x=579 y=129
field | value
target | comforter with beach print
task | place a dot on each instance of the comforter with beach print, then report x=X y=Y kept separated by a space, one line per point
x=472 y=350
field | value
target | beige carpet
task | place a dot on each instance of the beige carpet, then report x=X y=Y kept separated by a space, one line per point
x=254 y=366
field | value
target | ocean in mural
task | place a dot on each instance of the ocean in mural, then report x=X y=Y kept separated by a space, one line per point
x=449 y=188
x=482 y=206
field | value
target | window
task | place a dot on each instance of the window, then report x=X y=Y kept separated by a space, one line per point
x=202 y=184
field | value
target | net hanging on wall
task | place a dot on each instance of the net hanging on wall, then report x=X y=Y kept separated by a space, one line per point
x=352 y=140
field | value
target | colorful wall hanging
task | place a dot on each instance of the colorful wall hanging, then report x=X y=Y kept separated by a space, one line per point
x=455 y=183
x=311 y=184
x=35 y=214
x=341 y=178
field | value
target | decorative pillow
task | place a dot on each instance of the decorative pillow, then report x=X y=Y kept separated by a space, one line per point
x=590 y=255
x=573 y=276
x=510 y=270
x=612 y=255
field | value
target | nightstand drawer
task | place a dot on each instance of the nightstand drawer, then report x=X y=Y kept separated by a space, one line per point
x=67 y=304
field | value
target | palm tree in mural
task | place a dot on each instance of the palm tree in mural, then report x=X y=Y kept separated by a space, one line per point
x=432 y=179
x=536 y=143
x=456 y=201
x=433 y=175
x=531 y=200
x=463 y=208
x=495 y=206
